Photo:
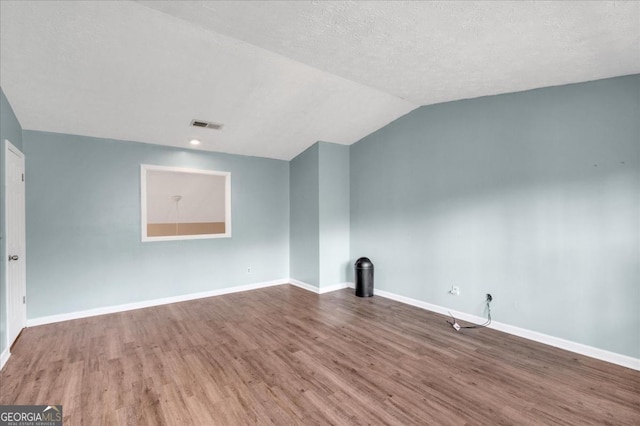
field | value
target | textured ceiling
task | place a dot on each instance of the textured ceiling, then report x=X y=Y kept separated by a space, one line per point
x=430 y=52
x=283 y=75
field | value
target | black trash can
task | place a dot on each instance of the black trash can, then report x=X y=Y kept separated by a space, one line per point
x=364 y=277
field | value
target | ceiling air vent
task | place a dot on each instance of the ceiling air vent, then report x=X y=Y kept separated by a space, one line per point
x=206 y=124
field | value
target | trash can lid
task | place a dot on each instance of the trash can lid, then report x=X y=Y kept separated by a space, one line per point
x=364 y=263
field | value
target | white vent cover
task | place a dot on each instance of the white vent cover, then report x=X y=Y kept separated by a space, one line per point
x=206 y=124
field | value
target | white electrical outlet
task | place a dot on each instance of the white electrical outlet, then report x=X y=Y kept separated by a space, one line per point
x=455 y=290
x=249 y=270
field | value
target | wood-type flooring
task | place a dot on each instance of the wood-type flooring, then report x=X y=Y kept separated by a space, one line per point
x=285 y=356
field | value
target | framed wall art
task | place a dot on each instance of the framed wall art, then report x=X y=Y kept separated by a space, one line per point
x=182 y=203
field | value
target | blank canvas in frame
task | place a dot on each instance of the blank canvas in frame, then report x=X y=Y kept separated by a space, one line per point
x=180 y=203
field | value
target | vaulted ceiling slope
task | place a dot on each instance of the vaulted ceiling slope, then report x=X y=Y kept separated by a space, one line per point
x=282 y=75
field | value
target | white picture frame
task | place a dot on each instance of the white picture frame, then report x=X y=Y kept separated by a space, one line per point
x=179 y=203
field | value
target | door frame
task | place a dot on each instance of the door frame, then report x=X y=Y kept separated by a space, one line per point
x=10 y=149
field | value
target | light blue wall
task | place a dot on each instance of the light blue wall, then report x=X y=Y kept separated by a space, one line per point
x=320 y=215
x=83 y=225
x=305 y=217
x=531 y=196
x=333 y=163
x=11 y=130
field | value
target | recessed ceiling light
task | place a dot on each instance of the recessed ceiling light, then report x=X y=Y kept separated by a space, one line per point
x=194 y=142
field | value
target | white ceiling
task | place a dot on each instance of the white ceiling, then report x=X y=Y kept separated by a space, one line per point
x=282 y=75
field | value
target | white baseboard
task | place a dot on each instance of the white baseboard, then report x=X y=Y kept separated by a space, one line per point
x=174 y=299
x=318 y=290
x=590 y=351
x=148 y=303
x=334 y=287
x=304 y=286
x=579 y=348
x=4 y=357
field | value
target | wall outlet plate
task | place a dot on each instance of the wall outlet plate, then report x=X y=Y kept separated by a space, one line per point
x=455 y=291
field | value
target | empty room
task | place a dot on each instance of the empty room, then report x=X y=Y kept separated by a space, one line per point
x=320 y=212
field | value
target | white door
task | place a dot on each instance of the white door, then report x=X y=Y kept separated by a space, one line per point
x=15 y=243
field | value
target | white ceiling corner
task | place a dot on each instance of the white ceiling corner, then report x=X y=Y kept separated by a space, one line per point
x=283 y=75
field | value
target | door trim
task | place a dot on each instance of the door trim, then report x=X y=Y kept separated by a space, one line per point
x=10 y=149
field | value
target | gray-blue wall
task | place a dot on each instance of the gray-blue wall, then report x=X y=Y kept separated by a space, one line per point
x=333 y=195
x=532 y=196
x=320 y=215
x=83 y=225
x=10 y=130
x=305 y=216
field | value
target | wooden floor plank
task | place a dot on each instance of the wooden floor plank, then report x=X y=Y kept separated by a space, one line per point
x=282 y=355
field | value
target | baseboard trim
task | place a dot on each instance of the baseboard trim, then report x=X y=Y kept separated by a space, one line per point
x=579 y=348
x=4 y=357
x=175 y=299
x=149 y=303
x=318 y=290
x=304 y=286
x=335 y=287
